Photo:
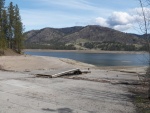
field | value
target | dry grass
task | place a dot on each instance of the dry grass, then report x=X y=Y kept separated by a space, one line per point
x=8 y=52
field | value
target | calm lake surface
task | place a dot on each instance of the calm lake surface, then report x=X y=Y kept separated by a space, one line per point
x=99 y=59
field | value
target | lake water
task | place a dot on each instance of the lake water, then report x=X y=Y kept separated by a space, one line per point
x=99 y=59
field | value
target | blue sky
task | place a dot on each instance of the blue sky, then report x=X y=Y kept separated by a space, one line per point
x=116 y=14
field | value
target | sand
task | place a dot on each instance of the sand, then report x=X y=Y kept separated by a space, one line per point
x=30 y=63
x=95 y=92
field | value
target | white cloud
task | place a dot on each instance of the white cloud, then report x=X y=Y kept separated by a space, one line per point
x=139 y=10
x=119 y=18
x=123 y=27
x=101 y=21
x=139 y=13
x=122 y=20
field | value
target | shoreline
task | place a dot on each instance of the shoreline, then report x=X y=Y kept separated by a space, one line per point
x=31 y=63
x=86 y=51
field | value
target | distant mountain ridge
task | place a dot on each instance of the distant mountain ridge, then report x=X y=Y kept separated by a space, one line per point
x=46 y=34
x=79 y=35
x=141 y=36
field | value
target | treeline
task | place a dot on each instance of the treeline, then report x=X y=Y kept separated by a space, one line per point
x=107 y=46
x=49 y=46
x=11 y=27
x=52 y=44
x=114 y=46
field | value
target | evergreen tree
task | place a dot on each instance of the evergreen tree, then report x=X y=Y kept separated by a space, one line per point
x=11 y=28
x=18 y=31
x=5 y=24
x=2 y=2
x=3 y=44
x=11 y=15
x=4 y=29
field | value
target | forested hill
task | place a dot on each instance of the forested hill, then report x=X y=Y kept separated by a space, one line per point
x=88 y=37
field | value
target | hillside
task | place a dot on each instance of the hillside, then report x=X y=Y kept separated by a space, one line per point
x=80 y=37
x=48 y=34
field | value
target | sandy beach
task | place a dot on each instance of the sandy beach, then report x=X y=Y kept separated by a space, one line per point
x=101 y=91
x=29 y=63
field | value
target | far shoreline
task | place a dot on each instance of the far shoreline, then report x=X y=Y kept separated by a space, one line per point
x=85 y=51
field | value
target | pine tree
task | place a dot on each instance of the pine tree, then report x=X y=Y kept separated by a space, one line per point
x=11 y=28
x=4 y=29
x=5 y=23
x=18 y=30
x=3 y=43
x=11 y=14
x=2 y=2
x=2 y=37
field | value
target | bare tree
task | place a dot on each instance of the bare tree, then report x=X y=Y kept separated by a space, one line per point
x=145 y=27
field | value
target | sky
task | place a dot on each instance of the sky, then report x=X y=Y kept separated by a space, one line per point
x=117 y=14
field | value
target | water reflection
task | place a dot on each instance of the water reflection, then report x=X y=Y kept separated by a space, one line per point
x=100 y=59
